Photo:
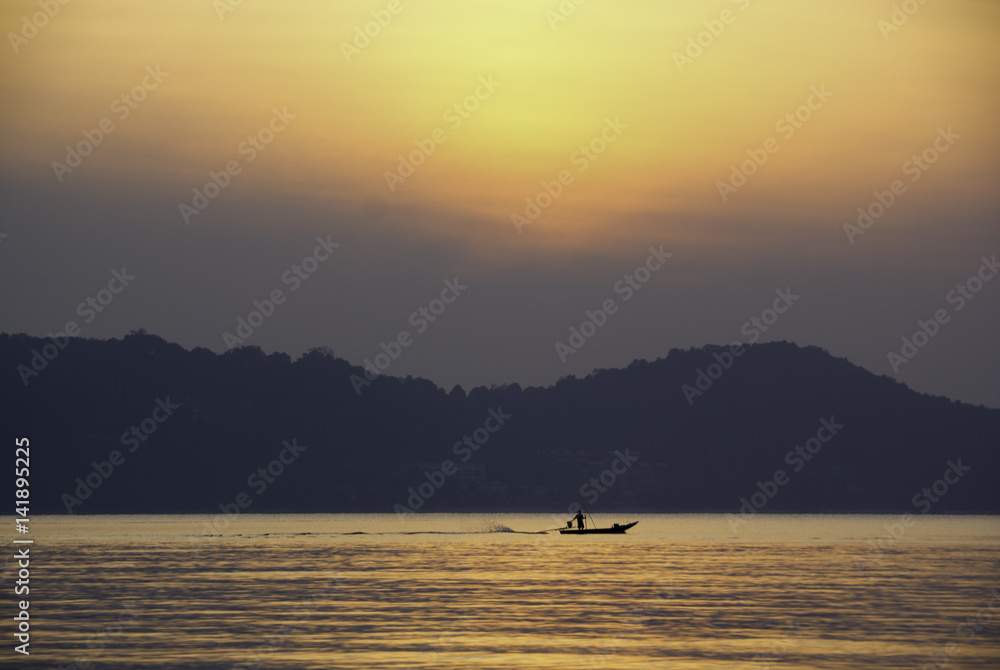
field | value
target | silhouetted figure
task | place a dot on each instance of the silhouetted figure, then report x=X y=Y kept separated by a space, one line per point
x=579 y=520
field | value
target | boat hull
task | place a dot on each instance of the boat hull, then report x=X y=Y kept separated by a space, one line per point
x=597 y=531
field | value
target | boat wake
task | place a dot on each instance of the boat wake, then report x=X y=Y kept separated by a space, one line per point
x=498 y=528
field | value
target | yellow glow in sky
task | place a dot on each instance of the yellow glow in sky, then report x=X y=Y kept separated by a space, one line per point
x=645 y=105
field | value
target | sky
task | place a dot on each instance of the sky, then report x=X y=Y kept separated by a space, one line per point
x=458 y=185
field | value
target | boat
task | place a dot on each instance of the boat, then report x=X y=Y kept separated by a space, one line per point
x=616 y=528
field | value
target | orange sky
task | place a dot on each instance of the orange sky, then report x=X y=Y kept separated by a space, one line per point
x=355 y=114
x=633 y=113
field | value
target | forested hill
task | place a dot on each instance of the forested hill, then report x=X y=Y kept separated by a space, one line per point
x=143 y=425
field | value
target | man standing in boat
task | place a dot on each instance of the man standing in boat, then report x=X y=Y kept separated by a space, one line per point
x=579 y=519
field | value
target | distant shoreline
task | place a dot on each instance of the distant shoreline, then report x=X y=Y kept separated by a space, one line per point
x=601 y=515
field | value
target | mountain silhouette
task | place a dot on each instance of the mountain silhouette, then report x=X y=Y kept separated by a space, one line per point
x=140 y=425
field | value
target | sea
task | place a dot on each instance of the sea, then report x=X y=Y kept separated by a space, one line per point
x=442 y=591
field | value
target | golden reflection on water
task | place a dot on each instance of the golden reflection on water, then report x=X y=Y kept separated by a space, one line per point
x=676 y=592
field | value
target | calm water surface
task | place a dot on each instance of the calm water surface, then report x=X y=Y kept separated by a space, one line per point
x=466 y=591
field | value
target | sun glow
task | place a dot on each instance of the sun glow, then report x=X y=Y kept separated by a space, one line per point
x=457 y=111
